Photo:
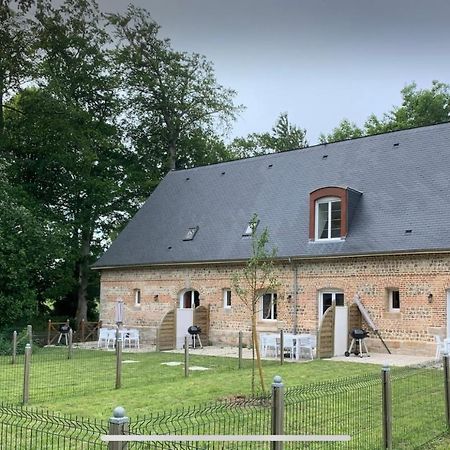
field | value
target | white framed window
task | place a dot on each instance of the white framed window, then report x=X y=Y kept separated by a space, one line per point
x=189 y=299
x=394 y=300
x=329 y=298
x=328 y=218
x=269 y=306
x=137 y=297
x=227 y=298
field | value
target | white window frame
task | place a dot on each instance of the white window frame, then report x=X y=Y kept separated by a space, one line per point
x=227 y=297
x=137 y=297
x=391 y=300
x=333 y=293
x=272 y=304
x=181 y=298
x=328 y=200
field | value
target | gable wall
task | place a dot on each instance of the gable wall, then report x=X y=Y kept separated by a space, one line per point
x=409 y=331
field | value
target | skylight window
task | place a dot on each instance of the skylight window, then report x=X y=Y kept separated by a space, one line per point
x=190 y=234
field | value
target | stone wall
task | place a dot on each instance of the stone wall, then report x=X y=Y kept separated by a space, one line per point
x=409 y=331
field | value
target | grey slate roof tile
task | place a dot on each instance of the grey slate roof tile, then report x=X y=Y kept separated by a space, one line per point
x=404 y=187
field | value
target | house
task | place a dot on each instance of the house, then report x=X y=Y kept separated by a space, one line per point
x=367 y=216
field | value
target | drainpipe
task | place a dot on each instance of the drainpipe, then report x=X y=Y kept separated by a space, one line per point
x=295 y=273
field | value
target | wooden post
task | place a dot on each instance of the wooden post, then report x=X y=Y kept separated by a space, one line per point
x=186 y=356
x=240 y=351
x=49 y=332
x=447 y=389
x=82 y=325
x=277 y=411
x=70 y=352
x=281 y=347
x=118 y=426
x=14 y=348
x=387 y=407
x=119 y=362
x=30 y=335
x=26 y=375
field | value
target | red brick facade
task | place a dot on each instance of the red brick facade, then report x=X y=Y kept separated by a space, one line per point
x=408 y=331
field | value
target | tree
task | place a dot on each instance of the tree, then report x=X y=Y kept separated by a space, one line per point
x=345 y=130
x=254 y=280
x=420 y=107
x=284 y=136
x=16 y=51
x=170 y=95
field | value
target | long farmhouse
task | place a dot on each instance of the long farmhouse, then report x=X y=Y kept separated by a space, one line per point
x=367 y=217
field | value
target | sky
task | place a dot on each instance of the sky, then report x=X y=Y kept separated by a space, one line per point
x=318 y=60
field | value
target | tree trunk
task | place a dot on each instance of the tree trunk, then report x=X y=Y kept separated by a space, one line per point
x=173 y=156
x=2 y=117
x=258 y=354
x=83 y=277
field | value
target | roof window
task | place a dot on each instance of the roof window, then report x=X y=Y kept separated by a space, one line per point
x=190 y=234
x=251 y=227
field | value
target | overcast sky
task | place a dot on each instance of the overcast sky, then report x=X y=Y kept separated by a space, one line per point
x=318 y=60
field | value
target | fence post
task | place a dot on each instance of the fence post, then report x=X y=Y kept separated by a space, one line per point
x=26 y=375
x=387 y=407
x=447 y=388
x=30 y=335
x=240 y=351
x=277 y=411
x=119 y=362
x=49 y=327
x=14 y=348
x=281 y=347
x=70 y=350
x=118 y=425
x=186 y=356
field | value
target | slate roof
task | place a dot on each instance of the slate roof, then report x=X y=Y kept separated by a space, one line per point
x=404 y=186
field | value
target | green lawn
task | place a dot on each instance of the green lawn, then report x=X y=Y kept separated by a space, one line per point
x=85 y=384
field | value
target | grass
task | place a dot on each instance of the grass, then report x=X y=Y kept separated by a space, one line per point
x=84 y=386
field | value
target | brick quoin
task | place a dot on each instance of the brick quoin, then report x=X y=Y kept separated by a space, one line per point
x=409 y=331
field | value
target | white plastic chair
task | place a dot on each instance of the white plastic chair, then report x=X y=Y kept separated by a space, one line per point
x=289 y=345
x=305 y=345
x=132 y=336
x=111 y=338
x=102 y=337
x=440 y=346
x=269 y=342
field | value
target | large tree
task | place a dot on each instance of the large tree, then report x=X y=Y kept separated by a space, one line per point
x=172 y=97
x=283 y=136
x=419 y=107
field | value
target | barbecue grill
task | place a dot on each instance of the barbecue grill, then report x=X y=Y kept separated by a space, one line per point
x=195 y=331
x=358 y=335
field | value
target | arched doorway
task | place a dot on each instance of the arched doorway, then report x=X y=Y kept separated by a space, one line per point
x=189 y=299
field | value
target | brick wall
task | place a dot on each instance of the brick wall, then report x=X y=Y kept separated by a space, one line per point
x=408 y=331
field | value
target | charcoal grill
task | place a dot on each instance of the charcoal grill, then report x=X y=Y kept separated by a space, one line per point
x=358 y=335
x=194 y=331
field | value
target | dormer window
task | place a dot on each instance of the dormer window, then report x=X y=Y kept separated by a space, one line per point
x=328 y=218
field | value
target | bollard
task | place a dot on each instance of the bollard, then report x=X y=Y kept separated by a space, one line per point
x=186 y=356
x=26 y=375
x=70 y=350
x=387 y=407
x=447 y=389
x=118 y=363
x=14 y=348
x=277 y=411
x=240 y=351
x=281 y=347
x=118 y=426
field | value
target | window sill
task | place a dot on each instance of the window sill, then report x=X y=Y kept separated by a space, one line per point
x=392 y=314
x=327 y=241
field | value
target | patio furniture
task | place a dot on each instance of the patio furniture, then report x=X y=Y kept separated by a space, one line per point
x=304 y=345
x=441 y=346
x=132 y=337
x=289 y=345
x=270 y=342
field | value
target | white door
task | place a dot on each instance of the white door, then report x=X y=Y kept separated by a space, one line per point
x=340 y=330
x=185 y=319
x=448 y=314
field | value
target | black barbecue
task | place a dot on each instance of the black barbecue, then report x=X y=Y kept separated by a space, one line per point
x=194 y=331
x=358 y=335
